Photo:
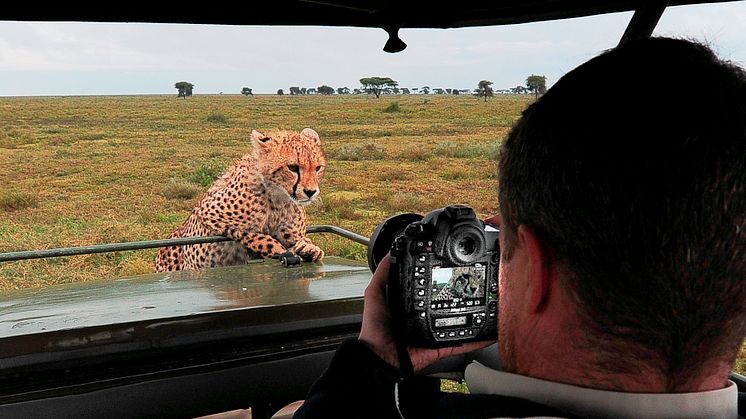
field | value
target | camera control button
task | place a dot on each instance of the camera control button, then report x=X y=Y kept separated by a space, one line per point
x=421 y=304
x=423 y=314
x=421 y=292
x=422 y=258
x=421 y=282
x=492 y=305
x=442 y=335
x=452 y=334
x=478 y=320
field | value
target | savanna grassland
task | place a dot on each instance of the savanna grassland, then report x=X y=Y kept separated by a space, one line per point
x=89 y=170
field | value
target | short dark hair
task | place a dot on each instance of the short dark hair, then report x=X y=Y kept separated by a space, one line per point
x=632 y=170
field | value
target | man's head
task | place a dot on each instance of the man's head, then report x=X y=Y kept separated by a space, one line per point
x=628 y=177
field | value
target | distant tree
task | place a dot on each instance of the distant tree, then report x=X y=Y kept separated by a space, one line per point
x=325 y=90
x=415 y=89
x=280 y=92
x=518 y=90
x=376 y=85
x=536 y=84
x=404 y=91
x=395 y=90
x=311 y=91
x=246 y=92
x=185 y=88
x=425 y=90
x=438 y=91
x=343 y=90
x=454 y=91
x=357 y=92
x=303 y=90
x=295 y=90
x=484 y=89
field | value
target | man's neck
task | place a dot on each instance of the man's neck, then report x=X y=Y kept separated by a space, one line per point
x=562 y=357
x=562 y=351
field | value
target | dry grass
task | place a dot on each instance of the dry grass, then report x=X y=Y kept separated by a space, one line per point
x=89 y=170
x=740 y=366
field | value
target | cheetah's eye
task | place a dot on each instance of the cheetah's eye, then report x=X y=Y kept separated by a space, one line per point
x=319 y=168
x=294 y=168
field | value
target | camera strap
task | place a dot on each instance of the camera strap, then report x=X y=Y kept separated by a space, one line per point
x=398 y=330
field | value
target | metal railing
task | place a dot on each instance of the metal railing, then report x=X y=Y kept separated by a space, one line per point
x=150 y=244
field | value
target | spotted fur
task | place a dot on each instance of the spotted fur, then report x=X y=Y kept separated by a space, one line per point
x=258 y=204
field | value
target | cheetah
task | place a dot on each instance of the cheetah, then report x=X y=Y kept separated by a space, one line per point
x=461 y=285
x=258 y=203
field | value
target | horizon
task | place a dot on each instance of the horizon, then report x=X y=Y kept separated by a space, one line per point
x=130 y=59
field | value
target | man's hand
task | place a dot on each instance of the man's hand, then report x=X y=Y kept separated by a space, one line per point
x=376 y=330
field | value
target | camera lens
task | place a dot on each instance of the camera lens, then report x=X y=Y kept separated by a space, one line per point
x=384 y=235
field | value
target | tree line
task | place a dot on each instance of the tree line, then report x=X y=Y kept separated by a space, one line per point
x=377 y=86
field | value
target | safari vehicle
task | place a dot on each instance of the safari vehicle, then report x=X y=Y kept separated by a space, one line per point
x=194 y=343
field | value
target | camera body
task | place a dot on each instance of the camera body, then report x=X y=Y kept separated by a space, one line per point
x=442 y=286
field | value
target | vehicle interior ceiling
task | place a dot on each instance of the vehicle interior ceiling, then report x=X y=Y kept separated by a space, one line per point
x=100 y=391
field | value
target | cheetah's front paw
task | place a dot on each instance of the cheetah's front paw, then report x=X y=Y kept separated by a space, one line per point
x=308 y=251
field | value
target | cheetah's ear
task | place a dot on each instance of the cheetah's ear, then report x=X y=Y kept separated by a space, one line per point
x=260 y=140
x=308 y=132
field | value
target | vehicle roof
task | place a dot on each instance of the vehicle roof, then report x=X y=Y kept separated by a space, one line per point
x=362 y=13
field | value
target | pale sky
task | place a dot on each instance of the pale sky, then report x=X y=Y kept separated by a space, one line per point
x=110 y=59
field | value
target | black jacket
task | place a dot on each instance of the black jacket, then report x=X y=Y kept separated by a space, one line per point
x=359 y=384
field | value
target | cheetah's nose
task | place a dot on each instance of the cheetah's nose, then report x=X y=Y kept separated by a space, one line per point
x=310 y=192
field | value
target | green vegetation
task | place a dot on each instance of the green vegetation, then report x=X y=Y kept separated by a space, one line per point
x=393 y=107
x=14 y=201
x=205 y=172
x=181 y=189
x=217 y=118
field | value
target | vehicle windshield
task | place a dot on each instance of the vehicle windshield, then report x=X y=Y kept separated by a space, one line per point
x=99 y=145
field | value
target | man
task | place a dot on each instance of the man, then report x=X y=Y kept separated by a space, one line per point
x=623 y=255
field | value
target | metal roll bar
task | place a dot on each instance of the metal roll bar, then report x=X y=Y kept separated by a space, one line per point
x=149 y=244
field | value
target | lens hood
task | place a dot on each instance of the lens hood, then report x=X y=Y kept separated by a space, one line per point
x=383 y=236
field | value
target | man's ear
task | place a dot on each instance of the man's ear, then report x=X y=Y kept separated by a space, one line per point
x=541 y=272
x=261 y=141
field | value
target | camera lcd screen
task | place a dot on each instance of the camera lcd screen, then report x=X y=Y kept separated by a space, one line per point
x=450 y=321
x=460 y=286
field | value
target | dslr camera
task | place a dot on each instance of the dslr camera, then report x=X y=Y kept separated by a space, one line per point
x=442 y=288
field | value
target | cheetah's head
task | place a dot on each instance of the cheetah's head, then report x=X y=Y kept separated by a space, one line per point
x=292 y=162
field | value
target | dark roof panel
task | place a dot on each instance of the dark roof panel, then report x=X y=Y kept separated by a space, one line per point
x=365 y=13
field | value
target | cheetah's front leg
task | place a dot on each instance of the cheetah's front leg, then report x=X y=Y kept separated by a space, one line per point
x=307 y=250
x=263 y=244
